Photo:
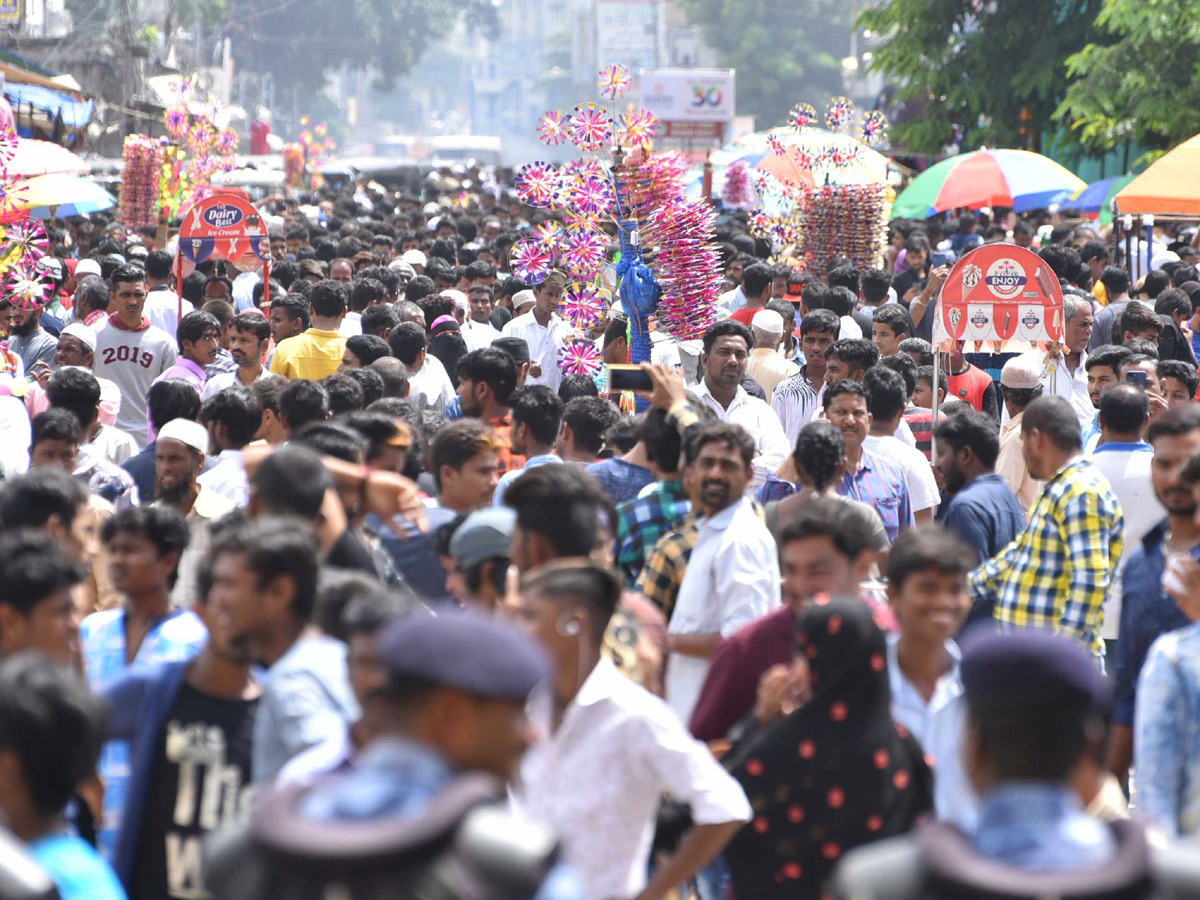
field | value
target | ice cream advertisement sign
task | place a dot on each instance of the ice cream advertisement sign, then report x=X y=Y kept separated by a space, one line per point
x=1000 y=292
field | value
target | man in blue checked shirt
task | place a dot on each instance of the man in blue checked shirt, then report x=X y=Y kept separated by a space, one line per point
x=659 y=507
x=144 y=545
x=1057 y=573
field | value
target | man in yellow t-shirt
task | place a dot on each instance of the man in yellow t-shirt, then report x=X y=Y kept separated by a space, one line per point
x=317 y=352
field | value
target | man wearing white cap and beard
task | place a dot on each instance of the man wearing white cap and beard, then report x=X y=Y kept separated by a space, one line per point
x=767 y=365
x=178 y=460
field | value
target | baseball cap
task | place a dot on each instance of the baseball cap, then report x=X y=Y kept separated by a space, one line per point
x=486 y=534
x=1022 y=372
x=768 y=320
x=795 y=288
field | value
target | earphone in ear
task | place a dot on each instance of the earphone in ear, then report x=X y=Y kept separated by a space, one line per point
x=568 y=625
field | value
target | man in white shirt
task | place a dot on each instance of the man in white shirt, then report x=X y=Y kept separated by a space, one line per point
x=428 y=384
x=543 y=330
x=1124 y=459
x=886 y=401
x=162 y=303
x=614 y=749
x=724 y=360
x=232 y=418
x=249 y=334
x=732 y=577
x=477 y=330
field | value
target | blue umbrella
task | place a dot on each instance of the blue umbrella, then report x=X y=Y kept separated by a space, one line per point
x=1095 y=197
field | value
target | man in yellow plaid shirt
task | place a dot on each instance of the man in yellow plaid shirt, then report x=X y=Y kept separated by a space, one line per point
x=1056 y=574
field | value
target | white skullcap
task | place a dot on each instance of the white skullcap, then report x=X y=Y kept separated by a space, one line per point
x=86 y=267
x=193 y=434
x=414 y=257
x=82 y=333
x=459 y=298
x=768 y=320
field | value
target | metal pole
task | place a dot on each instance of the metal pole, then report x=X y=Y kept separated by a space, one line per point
x=937 y=360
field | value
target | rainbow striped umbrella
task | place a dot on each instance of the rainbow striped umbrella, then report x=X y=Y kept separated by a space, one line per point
x=1013 y=178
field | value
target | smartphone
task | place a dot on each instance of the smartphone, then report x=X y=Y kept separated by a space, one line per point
x=1138 y=378
x=631 y=378
x=942 y=259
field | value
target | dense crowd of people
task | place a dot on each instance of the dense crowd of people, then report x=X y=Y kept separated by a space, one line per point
x=353 y=534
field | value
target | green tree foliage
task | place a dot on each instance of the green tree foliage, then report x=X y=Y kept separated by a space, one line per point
x=784 y=51
x=301 y=41
x=1141 y=80
x=992 y=69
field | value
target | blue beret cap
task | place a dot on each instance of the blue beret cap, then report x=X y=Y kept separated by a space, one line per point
x=1031 y=668
x=477 y=654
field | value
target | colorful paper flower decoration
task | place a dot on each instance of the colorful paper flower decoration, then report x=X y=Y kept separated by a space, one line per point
x=552 y=128
x=579 y=356
x=613 y=81
x=25 y=239
x=590 y=127
x=874 y=128
x=838 y=113
x=27 y=286
x=590 y=195
x=537 y=184
x=531 y=262
x=803 y=116
x=581 y=306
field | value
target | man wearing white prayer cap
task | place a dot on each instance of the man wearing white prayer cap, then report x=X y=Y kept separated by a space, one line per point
x=767 y=365
x=179 y=453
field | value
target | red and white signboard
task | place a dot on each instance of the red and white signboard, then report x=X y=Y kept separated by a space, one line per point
x=1000 y=292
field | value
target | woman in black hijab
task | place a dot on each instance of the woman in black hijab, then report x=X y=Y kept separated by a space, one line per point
x=834 y=774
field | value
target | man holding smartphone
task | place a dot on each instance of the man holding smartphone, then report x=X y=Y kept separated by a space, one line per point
x=1142 y=370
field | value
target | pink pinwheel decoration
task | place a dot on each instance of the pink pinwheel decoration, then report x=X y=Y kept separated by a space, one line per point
x=552 y=127
x=613 y=81
x=577 y=222
x=584 y=254
x=579 y=356
x=803 y=116
x=537 y=184
x=27 y=238
x=838 y=112
x=27 y=286
x=548 y=234
x=590 y=127
x=590 y=195
x=12 y=195
x=802 y=158
x=874 y=128
x=777 y=146
x=8 y=147
x=581 y=306
x=638 y=127
x=530 y=261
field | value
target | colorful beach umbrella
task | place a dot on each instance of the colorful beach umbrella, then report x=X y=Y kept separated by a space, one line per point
x=63 y=196
x=1168 y=186
x=1014 y=178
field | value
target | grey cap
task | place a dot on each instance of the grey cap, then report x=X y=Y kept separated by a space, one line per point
x=486 y=534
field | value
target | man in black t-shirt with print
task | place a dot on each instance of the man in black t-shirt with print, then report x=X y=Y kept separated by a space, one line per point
x=190 y=725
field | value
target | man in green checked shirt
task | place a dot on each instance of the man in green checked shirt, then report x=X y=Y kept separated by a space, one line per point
x=1056 y=574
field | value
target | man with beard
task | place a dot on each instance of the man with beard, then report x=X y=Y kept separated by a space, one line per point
x=726 y=355
x=28 y=339
x=249 y=334
x=1146 y=611
x=144 y=546
x=178 y=460
x=190 y=723
x=982 y=510
x=732 y=577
